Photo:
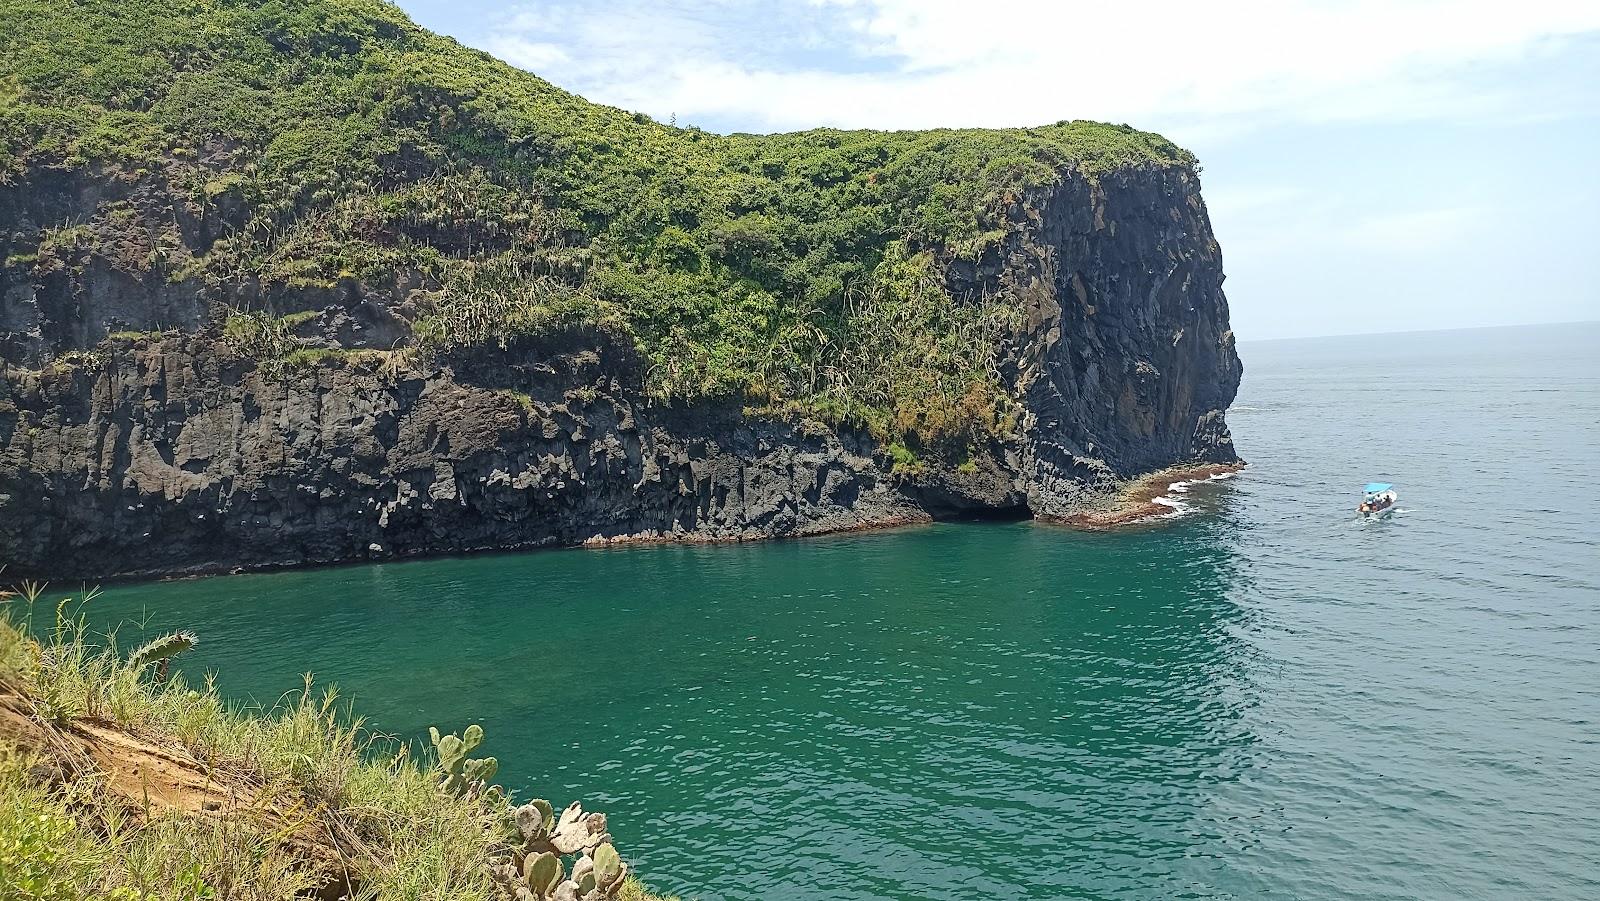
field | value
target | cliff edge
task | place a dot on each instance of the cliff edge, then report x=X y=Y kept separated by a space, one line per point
x=312 y=284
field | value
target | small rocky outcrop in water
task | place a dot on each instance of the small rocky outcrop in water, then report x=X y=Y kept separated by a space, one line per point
x=176 y=398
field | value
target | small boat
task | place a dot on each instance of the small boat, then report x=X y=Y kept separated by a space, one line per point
x=1378 y=500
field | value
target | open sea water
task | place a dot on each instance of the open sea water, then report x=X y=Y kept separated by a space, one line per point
x=1261 y=698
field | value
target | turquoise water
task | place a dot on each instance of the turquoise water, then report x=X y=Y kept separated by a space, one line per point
x=1263 y=699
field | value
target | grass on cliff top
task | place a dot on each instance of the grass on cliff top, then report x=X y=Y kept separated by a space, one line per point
x=336 y=141
x=401 y=836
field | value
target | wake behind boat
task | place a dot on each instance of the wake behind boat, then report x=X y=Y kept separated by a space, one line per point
x=1378 y=500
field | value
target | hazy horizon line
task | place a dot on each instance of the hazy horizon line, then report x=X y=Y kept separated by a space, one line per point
x=1423 y=331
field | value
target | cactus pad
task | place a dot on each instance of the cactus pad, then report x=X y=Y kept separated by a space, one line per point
x=607 y=866
x=542 y=872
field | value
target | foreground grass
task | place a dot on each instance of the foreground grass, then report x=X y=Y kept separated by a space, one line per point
x=318 y=782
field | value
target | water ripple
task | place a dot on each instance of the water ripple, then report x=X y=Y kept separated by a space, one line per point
x=1266 y=700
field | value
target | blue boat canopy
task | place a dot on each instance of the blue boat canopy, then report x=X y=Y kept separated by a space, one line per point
x=1378 y=487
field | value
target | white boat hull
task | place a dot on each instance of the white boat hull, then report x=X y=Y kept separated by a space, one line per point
x=1383 y=512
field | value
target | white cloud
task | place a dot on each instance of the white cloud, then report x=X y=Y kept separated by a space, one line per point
x=1221 y=66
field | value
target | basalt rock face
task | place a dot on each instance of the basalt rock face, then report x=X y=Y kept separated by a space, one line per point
x=171 y=458
x=1127 y=363
x=167 y=453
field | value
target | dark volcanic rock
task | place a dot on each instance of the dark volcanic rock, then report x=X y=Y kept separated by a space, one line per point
x=1128 y=363
x=163 y=454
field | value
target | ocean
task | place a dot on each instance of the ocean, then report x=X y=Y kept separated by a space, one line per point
x=1259 y=697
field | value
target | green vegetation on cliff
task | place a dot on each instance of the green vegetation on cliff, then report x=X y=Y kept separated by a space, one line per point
x=338 y=144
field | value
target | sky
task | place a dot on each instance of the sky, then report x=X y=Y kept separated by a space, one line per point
x=1369 y=165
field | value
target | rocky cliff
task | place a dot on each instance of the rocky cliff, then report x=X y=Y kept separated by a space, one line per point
x=309 y=284
x=163 y=452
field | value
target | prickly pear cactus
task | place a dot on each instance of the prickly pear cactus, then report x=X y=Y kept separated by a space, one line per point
x=463 y=776
x=536 y=870
x=534 y=821
x=609 y=870
x=160 y=652
x=163 y=648
x=597 y=869
x=542 y=873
